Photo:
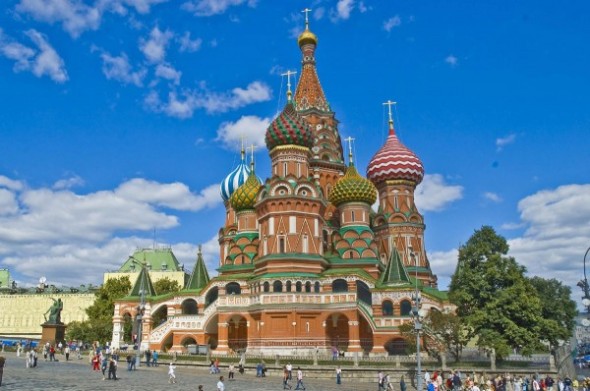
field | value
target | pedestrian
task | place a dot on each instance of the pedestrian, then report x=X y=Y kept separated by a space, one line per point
x=155 y=358
x=200 y=387
x=171 y=374
x=338 y=375
x=112 y=368
x=380 y=377
x=402 y=384
x=231 y=369
x=290 y=370
x=67 y=352
x=299 y=379
x=220 y=385
x=35 y=358
x=148 y=357
x=286 y=385
x=128 y=359
x=104 y=364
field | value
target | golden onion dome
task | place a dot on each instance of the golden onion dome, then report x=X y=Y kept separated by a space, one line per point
x=353 y=188
x=245 y=196
x=307 y=37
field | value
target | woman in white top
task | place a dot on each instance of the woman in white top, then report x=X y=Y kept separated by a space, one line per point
x=171 y=374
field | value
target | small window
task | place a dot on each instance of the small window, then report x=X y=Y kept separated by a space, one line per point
x=277 y=286
x=266 y=287
x=352 y=217
x=316 y=287
x=298 y=286
x=405 y=308
x=387 y=308
x=288 y=286
x=308 y=287
x=281 y=244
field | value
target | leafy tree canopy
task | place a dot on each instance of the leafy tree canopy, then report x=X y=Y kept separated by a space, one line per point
x=99 y=326
x=494 y=297
x=166 y=285
x=558 y=309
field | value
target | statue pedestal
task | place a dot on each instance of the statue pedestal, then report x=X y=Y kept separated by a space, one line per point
x=53 y=333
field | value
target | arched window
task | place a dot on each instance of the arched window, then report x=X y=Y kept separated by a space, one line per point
x=316 y=287
x=298 y=286
x=212 y=295
x=189 y=307
x=266 y=286
x=233 y=288
x=308 y=287
x=387 y=308
x=288 y=286
x=405 y=308
x=339 y=285
x=277 y=286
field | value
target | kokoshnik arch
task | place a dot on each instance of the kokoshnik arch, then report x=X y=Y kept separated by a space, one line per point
x=304 y=263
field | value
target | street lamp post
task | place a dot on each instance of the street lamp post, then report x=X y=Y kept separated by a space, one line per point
x=418 y=317
x=140 y=310
x=586 y=298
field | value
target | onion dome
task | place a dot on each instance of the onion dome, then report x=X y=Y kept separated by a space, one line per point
x=288 y=129
x=245 y=196
x=394 y=161
x=307 y=37
x=235 y=179
x=353 y=188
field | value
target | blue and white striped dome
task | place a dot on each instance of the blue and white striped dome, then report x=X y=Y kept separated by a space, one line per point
x=235 y=179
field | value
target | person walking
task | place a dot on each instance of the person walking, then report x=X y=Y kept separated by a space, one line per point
x=171 y=373
x=148 y=357
x=155 y=358
x=113 y=368
x=380 y=378
x=231 y=369
x=338 y=375
x=300 y=385
x=220 y=385
x=402 y=384
x=67 y=352
x=286 y=385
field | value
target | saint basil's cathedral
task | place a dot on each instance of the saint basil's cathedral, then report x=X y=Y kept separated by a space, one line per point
x=305 y=261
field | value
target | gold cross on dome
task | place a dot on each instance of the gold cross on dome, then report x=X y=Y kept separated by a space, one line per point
x=390 y=103
x=288 y=74
x=349 y=140
x=306 y=11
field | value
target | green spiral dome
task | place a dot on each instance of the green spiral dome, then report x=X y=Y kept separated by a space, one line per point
x=353 y=188
x=245 y=196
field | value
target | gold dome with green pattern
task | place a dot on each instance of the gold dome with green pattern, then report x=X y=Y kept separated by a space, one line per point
x=353 y=188
x=245 y=196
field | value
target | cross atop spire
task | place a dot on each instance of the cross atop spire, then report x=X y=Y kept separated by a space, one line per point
x=390 y=103
x=242 y=150
x=349 y=140
x=252 y=157
x=288 y=74
x=306 y=11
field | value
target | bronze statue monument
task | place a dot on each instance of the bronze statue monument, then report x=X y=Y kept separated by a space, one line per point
x=54 y=312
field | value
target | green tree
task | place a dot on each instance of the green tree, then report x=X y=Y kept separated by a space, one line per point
x=166 y=285
x=99 y=326
x=558 y=310
x=494 y=297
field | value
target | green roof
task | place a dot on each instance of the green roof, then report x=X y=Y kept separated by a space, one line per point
x=4 y=278
x=143 y=282
x=158 y=259
x=395 y=273
x=199 y=277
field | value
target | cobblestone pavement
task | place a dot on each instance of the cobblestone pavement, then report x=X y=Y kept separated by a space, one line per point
x=77 y=375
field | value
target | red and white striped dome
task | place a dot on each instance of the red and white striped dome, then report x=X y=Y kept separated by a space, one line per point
x=395 y=161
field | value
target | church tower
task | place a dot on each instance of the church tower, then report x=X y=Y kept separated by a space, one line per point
x=326 y=162
x=396 y=171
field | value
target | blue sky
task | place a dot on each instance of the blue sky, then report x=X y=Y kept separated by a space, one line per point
x=120 y=118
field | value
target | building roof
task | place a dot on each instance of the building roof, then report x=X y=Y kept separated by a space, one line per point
x=288 y=129
x=395 y=273
x=199 y=277
x=144 y=282
x=158 y=259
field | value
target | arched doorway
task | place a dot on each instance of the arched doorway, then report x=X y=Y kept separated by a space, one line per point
x=127 y=336
x=365 y=334
x=233 y=288
x=337 y=331
x=211 y=329
x=167 y=342
x=211 y=296
x=237 y=332
x=159 y=316
x=396 y=347
x=189 y=307
x=364 y=293
x=188 y=341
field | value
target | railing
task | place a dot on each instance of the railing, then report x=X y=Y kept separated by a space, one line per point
x=305 y=298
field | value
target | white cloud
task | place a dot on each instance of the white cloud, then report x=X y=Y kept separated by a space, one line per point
x=68 y=183
x=503 y=141
x=490 y=196
x=118 y=68
x=512 y=226
x=11 y=184
x=318 y=13
x=183 y=104
x=249 y=127
x=342 y=11
x=173 y=195
x=392 y=22
x=189 y=45
x=212 y=7
x=452 y=60
x=43 y=61
x=47 y=61
x=77 y=17
x=8 y=202
x=166 y=71
x=433 y=194
x=154 y=48
x=443 y=264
